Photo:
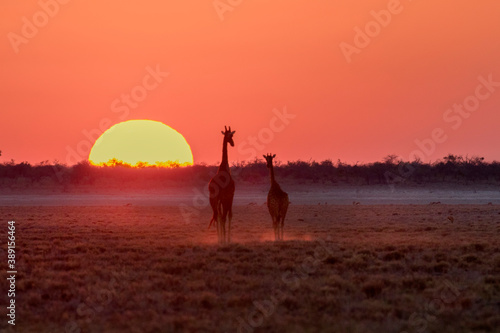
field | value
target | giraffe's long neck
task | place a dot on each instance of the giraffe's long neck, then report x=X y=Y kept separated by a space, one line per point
x=271 y=173
x=224 y=164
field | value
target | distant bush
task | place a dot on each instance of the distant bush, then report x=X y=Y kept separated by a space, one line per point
x=450 y=169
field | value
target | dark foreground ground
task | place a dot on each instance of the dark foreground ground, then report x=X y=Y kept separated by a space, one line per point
x=351 y=268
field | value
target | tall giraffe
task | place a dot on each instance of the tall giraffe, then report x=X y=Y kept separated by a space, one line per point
x=277 y=201
x=221 y=188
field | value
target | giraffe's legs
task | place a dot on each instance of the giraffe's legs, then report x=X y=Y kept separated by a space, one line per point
x=223 y=230
x=230 y=216
x=219 y=221
x=222 y=238
x=218 y=228
x=281 y=227
x=226 y=213
x=275 y=227
x=217 y=225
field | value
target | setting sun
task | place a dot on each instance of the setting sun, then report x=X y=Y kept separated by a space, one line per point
x=141 y=143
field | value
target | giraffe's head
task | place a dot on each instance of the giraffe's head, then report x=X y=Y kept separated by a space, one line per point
x=228 y=135
x=269 y=159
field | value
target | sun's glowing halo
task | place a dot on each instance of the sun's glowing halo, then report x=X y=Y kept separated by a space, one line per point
x=141 y=143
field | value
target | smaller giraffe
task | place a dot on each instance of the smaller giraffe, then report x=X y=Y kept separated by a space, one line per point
x=277 y=201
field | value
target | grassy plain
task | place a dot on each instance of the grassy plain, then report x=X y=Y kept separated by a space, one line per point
x=351 y=268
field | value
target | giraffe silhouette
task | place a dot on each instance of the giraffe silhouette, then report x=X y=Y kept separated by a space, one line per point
x=277 y=201
x=221 y=188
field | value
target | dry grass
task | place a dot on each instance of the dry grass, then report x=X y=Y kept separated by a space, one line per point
x=340 y=269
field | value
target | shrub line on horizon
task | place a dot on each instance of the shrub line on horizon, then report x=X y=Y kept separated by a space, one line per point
x=456 y=114
x=452 y=168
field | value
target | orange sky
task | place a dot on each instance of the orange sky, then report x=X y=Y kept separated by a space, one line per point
x=235 y=66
